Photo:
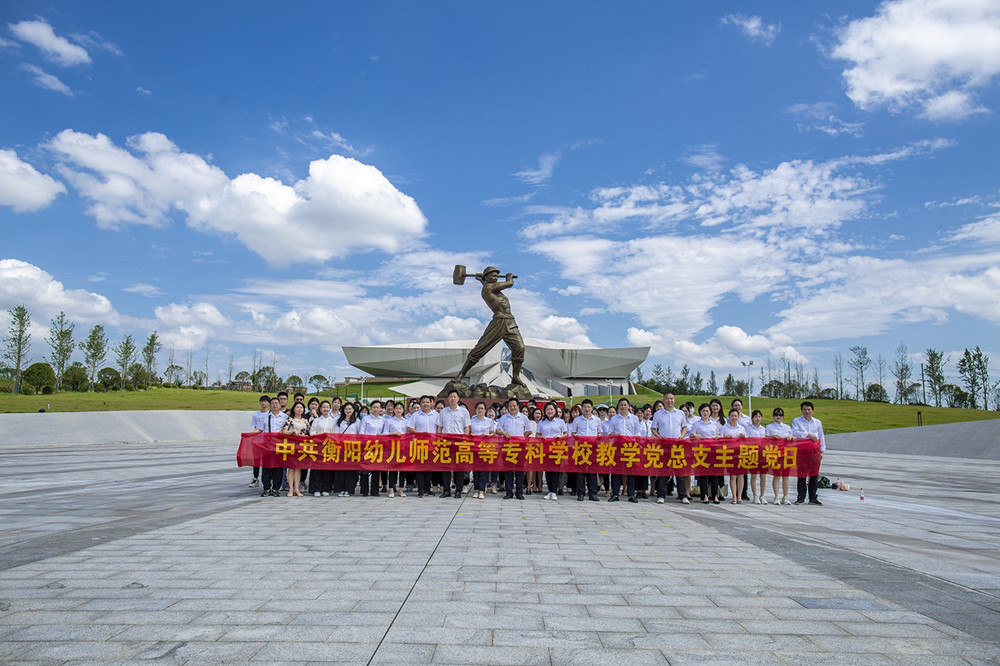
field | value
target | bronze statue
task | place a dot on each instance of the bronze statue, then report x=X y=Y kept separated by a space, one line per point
x=501 y=327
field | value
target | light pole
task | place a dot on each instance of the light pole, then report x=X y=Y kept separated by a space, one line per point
x=748 y=365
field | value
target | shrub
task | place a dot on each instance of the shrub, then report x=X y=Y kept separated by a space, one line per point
x=47 y=390
x=99 y=388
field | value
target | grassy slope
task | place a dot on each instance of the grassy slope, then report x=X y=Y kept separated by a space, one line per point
x=837 y=415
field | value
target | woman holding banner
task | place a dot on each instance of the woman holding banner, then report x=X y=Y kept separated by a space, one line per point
x=395 y=425
x=550 y=427
x=779 y=430
x=707 y=427
x=344 y=480
x=481 y=425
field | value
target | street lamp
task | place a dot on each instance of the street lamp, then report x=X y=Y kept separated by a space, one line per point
x=748 y=365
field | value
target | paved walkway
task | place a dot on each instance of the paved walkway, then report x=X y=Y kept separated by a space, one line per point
x=159 y=553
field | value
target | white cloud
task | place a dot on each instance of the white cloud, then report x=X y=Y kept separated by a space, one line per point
x=754 y=27
x=55 y=48
x=190 y=326
x=343 y=205
x=48 y=81
x=932 y=54
x=986 y=230
x=142 y=91
x=705 y=157
x=45 y=297
x=143 y=289
x=508 y=201
x=94 y=41
x=822 y=117
x=858 y=296
x=546 y=166
x=22 y=187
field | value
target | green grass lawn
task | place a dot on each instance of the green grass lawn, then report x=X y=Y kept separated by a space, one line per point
x=837 y=415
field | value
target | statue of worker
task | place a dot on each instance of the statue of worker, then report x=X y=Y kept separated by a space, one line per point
x=501 y=327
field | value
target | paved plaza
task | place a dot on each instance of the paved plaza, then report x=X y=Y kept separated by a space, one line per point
x=159 y=553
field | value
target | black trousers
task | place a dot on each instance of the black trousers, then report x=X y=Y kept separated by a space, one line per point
x=344 y=480
x=812 y=482
x=457 y=477
x=554 y=481
x=514 y=483
x=369 y=483
x=271 y=478
x=709 y=486
x=424 y=483
x=321 y=481
x=664 y=483
x=480 y=479
x=586 y=483
x=616 y=482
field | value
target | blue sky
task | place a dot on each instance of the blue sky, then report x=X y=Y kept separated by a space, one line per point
x=716 y=184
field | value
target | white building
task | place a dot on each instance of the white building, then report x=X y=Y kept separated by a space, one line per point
x=550 y=368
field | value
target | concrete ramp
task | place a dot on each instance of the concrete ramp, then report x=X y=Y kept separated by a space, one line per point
x=972 y=439
x=107 y=427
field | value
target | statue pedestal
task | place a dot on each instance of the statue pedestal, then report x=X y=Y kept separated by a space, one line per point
x=494 y=392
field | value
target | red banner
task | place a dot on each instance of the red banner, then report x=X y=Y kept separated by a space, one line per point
x=612 y=454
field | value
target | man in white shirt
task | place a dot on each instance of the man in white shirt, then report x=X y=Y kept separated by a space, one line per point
x=669 y=424
x=623 y=423
x=807 y=426
x=272 y=476
x=513 y=424
x=371 y=424
x=424 y=420
x=258 y=422
x=588 y=424
x=453 y=419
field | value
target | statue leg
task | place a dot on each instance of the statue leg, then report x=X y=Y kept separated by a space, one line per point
x=491 y=336
x=516 y=346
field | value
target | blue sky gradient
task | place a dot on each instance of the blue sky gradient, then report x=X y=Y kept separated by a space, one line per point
x=718 y=185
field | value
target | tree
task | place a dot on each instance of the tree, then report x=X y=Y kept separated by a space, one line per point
x=109 y=378
x=95 y=350
x=125 y=355
x=242 y=377
x=696 y=381
x=149 y=352
x=876 y=393
x=859 y=363
x=170 y=363
x=174 y=371
x=968 y=369
x=838 y=374
x=318 y=382
x=684 y=380
x=902 y=370
x=713 y=385
x=18 y=343
x=729 y=386
x=198 y=378
x=881 y=367
x=75 y=377
x=935 y=363
x=60 y=340
x=38 y=376
x=295 y=382
x=982 y=367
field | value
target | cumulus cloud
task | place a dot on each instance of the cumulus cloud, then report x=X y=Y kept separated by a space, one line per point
x=190 y=326
x=342 y=206
x=22 y=187
x=48 y=81
x=754 y=27
x=546 y=166
x=929 y=54
x=55 y=48
x=45 y=297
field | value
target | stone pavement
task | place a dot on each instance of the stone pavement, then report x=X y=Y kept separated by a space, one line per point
x=159 y=553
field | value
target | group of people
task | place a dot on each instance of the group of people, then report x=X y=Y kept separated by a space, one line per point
x=662 y=419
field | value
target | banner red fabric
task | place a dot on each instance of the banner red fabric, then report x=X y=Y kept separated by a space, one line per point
x=612 y=454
